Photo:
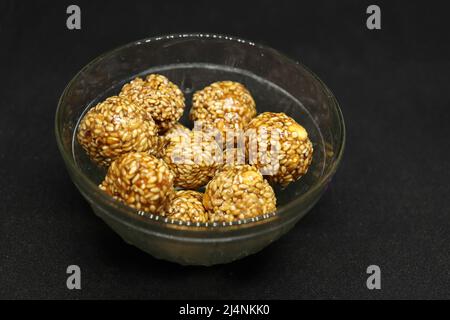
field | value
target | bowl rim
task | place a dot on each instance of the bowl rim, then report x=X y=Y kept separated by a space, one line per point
x=130 y=213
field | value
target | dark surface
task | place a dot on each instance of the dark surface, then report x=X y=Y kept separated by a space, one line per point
x=388 y=204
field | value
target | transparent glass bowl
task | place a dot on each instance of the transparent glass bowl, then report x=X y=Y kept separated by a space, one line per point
x=193 y=61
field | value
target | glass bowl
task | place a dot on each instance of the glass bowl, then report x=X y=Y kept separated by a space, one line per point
x=193 y=61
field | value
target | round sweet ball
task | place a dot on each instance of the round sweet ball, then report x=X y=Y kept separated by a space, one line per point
x=193 y=159
x=223 y=99
x=156 y=94
x=279 y=147
x=114 y=127
x=238 y=192
x=187 y=206
x=227 y=105
x=140 y=180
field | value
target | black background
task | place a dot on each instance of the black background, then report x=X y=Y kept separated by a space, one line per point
x=388 y=204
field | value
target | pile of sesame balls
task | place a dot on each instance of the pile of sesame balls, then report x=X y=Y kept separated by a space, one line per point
x=158 y=166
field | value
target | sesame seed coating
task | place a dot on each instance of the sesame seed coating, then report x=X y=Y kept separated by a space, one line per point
x=282 y=162
x=162 y=98
x=233 y=157
x=141 y=181
x=177 y=132
x=238 y=192
x=226 y=105
x=114 y=127
x=187 y=206
x=193 y=159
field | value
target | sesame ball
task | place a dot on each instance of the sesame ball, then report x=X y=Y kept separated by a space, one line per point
x=187 y=206
x=114 y=127
x=238 y=192
x=223 y=100
x=193 y=159
x=279 y=147
x=226 y=105
x=140 y=180
x=162 y=98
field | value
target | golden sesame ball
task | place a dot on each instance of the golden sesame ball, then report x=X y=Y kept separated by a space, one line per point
x=162 y=98
x=224 y=99
x=238 y=192
x=227 y=105
x=279 y=147
x=140 y=180
x=187 y=206
x=192 y=159
x=114 y=127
